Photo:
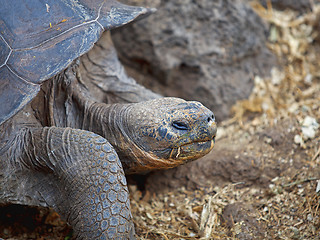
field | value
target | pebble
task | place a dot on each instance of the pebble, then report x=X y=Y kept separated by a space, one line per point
x=308 y=79
x=309 y=128
x=276 y=76
x=298 y=139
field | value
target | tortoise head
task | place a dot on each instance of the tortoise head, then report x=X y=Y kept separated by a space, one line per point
x=168 y=132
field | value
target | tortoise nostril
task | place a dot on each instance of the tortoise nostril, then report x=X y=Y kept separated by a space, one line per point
x=211 y=118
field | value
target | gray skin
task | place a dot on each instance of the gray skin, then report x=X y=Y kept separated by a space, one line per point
x=69 y=148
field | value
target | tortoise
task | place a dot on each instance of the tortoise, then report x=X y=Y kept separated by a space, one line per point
x=72 y=123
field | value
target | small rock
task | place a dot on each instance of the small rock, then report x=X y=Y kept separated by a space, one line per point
x=308 y=79
x=309 y=128
x=298 y=139
x=305 y=109
x=310 y=121
x=276 y=76
x=293 y=108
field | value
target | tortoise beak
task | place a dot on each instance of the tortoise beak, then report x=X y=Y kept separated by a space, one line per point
x=197 y=149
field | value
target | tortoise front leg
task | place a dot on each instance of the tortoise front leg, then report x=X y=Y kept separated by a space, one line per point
x=79 y=175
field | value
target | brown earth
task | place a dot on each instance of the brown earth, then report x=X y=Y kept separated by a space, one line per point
x=260 y=180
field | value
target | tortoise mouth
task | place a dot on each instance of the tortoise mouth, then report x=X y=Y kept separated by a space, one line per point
x=168 y=158
x=192 y=151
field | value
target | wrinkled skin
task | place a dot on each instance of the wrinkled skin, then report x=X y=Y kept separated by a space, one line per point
x=64 y=149
x=172 y=131
x=155 y=134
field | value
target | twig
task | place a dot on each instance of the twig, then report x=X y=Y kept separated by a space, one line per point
x=316 y=155
x=298 y=182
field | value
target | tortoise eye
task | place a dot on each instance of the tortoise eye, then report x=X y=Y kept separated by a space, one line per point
x=180 y=125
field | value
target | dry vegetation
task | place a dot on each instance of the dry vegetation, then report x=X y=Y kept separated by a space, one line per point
x=288 y=206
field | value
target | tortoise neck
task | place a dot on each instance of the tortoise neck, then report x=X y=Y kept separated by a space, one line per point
x=104 y=119
x=110 y=121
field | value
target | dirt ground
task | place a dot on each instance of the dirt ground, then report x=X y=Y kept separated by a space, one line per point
x=261 y=179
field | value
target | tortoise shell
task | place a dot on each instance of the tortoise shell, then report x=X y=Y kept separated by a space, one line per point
x=39 y=39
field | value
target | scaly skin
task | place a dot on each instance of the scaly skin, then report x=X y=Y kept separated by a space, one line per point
x=77 y=173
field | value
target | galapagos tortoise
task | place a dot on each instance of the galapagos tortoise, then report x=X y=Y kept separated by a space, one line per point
x=66 y=137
